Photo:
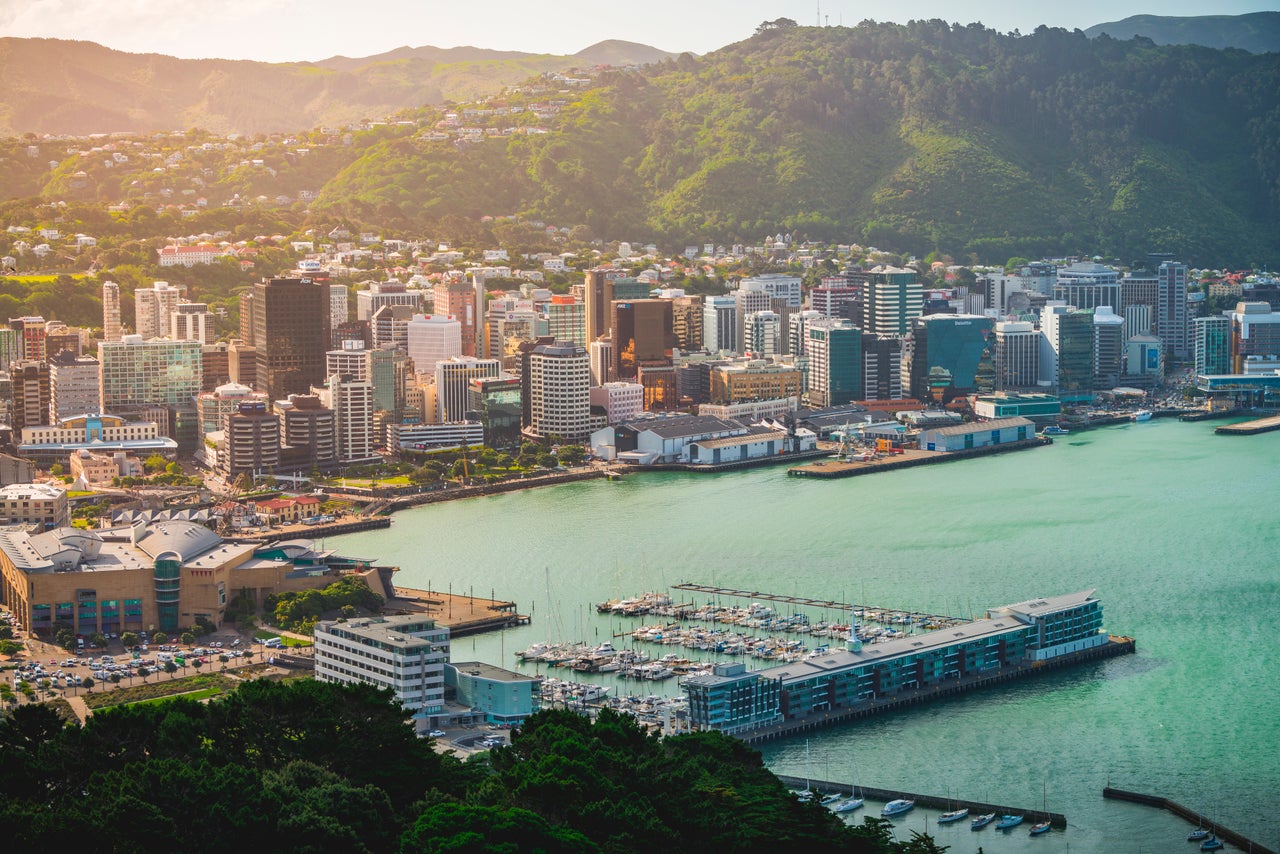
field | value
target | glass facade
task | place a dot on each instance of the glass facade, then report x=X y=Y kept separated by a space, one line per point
x=168 y=585
x=952 y=356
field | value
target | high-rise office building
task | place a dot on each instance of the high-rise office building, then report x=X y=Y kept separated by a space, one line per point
x=556 y=384
x=783 y=286
x=1087 y=284
x=390 y=327
x=153 y=308
x=31 y=338
x=375 y=296
x=951 y=356
x=453 y=384
x=74 y=386
x=1066 y=357
x=251 y=441
x=891 y=298
x=458 y=301
x=242 y=363
x=215 y=366
x=192 y=321
x=750 y=297
x=835 y=362
x=566 y=320
x=720 y=325
x=686 y=322
x=643 y=334
x=1255 y=337
x=1108 y=348
x=1213 y=345
x=881 y=367
x=138 y=374
x=30 y=393
x=596 y=299
x=338 y=311
x=432 y=339
x=601 y=354
x=763 y=331
x=110 y=311
x=291 y=332
x=351 y=400
x=213 y=407
x=1016 y=355
x=495 y=401
x=1172 y=324
x=310 y=432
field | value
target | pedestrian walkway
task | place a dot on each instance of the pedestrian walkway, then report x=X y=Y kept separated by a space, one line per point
x=80 y=707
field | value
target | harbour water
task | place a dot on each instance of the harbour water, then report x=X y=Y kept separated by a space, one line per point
x=1175 y=527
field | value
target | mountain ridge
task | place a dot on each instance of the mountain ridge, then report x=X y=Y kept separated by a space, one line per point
x=1256 y=32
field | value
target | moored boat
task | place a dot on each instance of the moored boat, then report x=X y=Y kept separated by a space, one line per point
x=1198 y=835
x=982 y=821
x=1040 y=827
x=897 y=807
x=954 y=815
x=1008 y=821
x=1055 y=430
x=1213 y=843
x=1142 y=415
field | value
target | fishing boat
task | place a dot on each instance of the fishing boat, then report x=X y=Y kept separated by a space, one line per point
x=1008 y=822
x=954 y=815
x=982 y=821
x=897 y=807
x=1142 y=415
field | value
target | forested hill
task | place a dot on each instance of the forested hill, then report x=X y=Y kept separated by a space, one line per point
x=1257 y=32
x=913 y=137
x=78 y=87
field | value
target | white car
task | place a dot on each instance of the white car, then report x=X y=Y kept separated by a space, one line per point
x=436 y=733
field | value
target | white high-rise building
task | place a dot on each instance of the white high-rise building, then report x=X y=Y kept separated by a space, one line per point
x=781 y=286
x=433 y=339
x=798 y=329
x=137 y=373
x=352 y=360
x=621 y=401
x=1087 y=284
x=720 y=325
x=763 y=331
x=750 y=297
x=559 y=387
x=352 y=403
x=601 y=352
x=192 y=321
x=110 y=312
x=453 y=378
x=74 y=386
x=338 y=295
x=1108 y=347
x=153 y=308
x=1016 y=355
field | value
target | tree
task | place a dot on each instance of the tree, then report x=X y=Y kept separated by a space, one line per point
x=170 y=668
x=88 y=683
x=571 y=455
x=57 y=470
x=188 y=638
x=159 y=638
x=154 y=463
x=129 y=639
x=98 y=639
x=115 y=678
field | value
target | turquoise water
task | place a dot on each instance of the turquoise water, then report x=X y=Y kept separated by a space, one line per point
x=1174 y=526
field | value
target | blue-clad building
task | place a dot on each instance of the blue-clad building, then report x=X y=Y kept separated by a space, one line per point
x=1026 y=634
x=503 y=696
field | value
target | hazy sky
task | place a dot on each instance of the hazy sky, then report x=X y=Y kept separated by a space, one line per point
x=287 y=30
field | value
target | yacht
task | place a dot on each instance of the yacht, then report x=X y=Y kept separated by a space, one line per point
x=1055 y=430
x=1142 y=415
x=982 y=821
x=1007 y=822
x=897 y=807
x=954 y=815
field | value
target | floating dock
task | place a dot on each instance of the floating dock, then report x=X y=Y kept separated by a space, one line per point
x=1239 y=840
x=976 y=808
x=1250 y=428
x=913 y=616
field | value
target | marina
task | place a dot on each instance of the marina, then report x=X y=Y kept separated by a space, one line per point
x=1187 y=592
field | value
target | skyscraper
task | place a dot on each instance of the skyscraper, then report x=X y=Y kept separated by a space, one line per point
x=1213 y=345
x=951 y=356
x=1171 y=311
x=720 y=324
x=453 y=378
x=138 y=374
x=891 y=297
x=291 y=332
x=750 y=297
x=456 y=300
x=153 y=308
x=643 y=334
x=338 y=296
x=433 y=339
x=30 y=387
x=835 y=362
x=1016 y=356
x=764 y=334
x=557 y=378
x=110 y=311
x=74 y=386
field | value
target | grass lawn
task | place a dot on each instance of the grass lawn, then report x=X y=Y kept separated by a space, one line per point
x=215 y=683
x=202 y=694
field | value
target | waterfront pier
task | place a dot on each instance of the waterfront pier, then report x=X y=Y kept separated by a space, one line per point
x=887 y=615
x=1250 y=428
x=907 y=458
x=1237 y=839
x=462 y=614
x=1057 y=820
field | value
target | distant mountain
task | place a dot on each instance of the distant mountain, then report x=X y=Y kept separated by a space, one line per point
x=79 y=87
x=621 y=53
x=1258 y=32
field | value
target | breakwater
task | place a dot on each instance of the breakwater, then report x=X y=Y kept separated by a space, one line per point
x=933 y=801
x=1237 y=839
x=1116 y=645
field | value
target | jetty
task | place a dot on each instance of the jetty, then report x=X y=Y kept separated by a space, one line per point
x=462 y=614
x=1250 y=428
x=1239 y=840
x=904 y=458
x=1055 y=819
x=880 y=615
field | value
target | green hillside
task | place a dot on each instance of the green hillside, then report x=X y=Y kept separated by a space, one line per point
x=918 y=138
x=1258 y=32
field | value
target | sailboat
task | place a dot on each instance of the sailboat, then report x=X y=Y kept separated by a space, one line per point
x=806 y=794
x=952 y=815
x=1043 y=826
x=852 y=802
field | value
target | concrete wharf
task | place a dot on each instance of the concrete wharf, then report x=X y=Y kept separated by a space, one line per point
x=909 y=458
x=975 y=807
x=462 y=614
x=1250 y=428
x=889 y=614
x=1237 y=839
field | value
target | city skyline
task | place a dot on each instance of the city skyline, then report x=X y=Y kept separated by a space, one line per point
x=287 y=31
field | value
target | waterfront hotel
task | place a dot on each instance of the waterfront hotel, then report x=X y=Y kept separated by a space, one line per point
x=1010 y=639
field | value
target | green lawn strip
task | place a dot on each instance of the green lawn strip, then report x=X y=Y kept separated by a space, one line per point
x=201 y=694
x=136 y=693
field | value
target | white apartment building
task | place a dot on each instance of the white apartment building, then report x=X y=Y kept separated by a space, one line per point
x=153 y=308
x=74 y=386
x=453 y=378
x=338 y=295
x=763 y=334
x=351 y=400
x=192 y=321
x=406 y=654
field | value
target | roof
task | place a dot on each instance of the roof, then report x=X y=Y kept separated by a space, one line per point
x=186 y=540
x=690 y=425
x=30 y=492
x=491 y=672
x=984 y=427
x=754 y=436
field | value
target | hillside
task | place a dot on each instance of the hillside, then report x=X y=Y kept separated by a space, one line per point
x=75 y=87
x=919 y=138
x=1258 y=32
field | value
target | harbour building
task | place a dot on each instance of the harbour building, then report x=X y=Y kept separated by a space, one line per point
x=502 y=696
x=951 y=356
x=404 y=654
x=1011 y=640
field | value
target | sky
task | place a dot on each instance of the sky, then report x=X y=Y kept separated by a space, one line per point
x=298 y=30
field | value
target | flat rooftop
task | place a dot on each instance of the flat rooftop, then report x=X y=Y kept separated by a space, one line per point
x=492 y=672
